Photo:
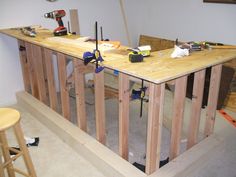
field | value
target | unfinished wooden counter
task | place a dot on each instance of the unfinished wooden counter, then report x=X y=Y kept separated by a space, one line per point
x=38 y=73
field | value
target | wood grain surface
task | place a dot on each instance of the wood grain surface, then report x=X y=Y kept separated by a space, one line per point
x=157 y=68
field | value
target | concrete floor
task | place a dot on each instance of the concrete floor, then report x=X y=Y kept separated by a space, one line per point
x=55 y=158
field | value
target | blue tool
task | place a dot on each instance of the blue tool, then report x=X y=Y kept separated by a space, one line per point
x=95 y=56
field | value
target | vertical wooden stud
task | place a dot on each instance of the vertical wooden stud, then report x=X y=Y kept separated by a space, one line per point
x=50 y=78
x=154 y=128
x=24 y=66
x=198 y=88
x=80 y=94
x=65 y=100
x=38 y=60
x=32 y=71
x=212 y=99
x=100 y=107
x=123 y=115
x=178 y=112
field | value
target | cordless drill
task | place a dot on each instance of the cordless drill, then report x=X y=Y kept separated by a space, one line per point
x=58 y=14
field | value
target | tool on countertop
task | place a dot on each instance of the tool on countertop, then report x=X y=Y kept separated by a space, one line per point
x=94 y=56
x=57 y=14
x=213 y=45
x=137 y=54
x=28 y=31
x=135 y=57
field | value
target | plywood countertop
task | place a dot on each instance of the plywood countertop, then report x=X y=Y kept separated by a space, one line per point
x=157 y=68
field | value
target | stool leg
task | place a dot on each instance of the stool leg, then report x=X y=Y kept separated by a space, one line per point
x=1 y=166
x=23 y=147
x=6 y=154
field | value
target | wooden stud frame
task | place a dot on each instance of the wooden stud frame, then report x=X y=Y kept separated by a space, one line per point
x=50 y=79
x=123 y=115
x=212 y=99
x=154 y=128
x=178 y=112
x=38 y=61
x=32 y=72
x=198 y=89
x=24 y=66
x=65 y=100
x=80 y=94
x=100 y=107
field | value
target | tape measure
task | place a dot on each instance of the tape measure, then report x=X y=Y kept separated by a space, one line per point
x=228 y=117
x=135 y=57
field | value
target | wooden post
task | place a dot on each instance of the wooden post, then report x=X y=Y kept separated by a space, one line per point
x=80 y=94
x=65 y=100
x=124 y=115
x=38 y=59
x=178 y=112
x=198 y=89
x=32 y=71
x=154 y=127
x=24 y=65
x=100 y=107
x=50 y=78
x=212 y=99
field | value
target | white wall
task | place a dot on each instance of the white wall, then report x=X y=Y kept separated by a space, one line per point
x=190 y=20
x=27 y=12
x=184 y=19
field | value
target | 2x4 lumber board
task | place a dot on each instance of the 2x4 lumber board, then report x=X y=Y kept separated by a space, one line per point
x=154 y=127
x=24 y=65
x=99 y=155
x=32 y=70
x=195 y=158
x=62 y=75
x=38 y=59
x=74 y=21
x=100 y=107
x=124 y=115
x=197 y=95
x=212 y=99
x=50 y=79
x=80 y=95
x=178 y=112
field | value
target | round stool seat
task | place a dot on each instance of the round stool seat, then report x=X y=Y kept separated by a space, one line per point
x=8 y=118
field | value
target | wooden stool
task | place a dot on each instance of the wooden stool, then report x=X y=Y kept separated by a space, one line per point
x=11 y=118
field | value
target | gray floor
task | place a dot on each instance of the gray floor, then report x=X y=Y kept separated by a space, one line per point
x=53 y=157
